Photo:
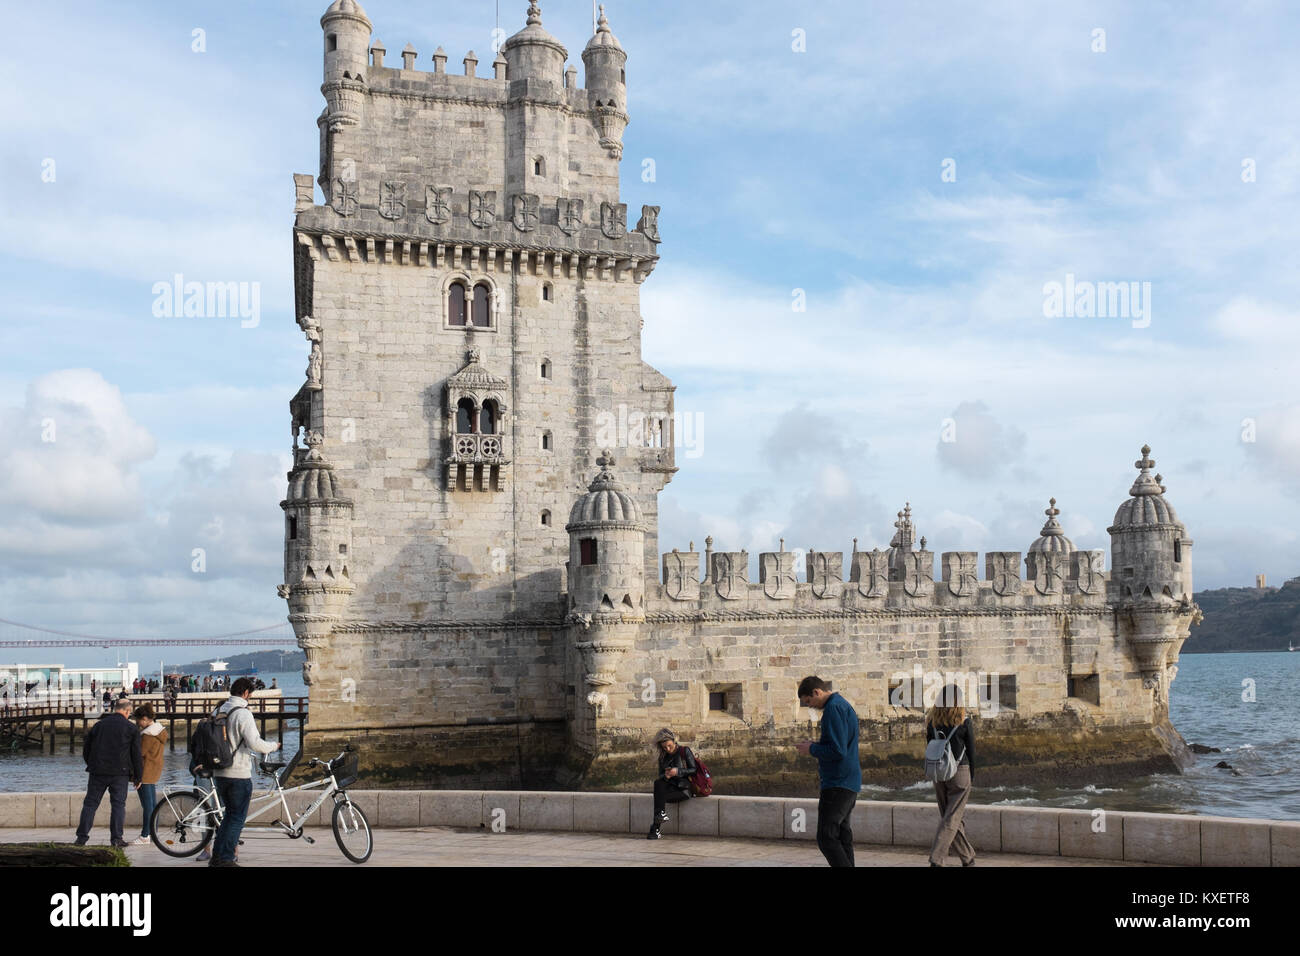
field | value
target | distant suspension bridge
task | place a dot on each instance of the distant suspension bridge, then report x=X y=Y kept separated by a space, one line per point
x=15 y=634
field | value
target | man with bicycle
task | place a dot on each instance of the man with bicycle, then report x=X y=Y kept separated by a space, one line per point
x=235 y=783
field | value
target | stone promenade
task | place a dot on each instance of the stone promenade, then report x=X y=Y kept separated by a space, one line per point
x=447 y=846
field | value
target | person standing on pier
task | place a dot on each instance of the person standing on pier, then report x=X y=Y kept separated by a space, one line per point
x=112 y=755
x=837 y=767
x=235 y=783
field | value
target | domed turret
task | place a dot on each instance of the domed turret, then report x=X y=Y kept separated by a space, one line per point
x=533 y=54
x=347 y=45
x=606 y=548
x=1052 y=537
x=606 y=65
x=1150 y=551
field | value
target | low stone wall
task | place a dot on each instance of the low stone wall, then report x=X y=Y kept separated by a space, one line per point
x=1156 y=838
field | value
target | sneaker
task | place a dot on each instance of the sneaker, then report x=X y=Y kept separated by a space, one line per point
x=205 y=855
x=654 y=833
x=78 y=842
x=142 y=841
x=120 y=844
x=663 y=816
x=223 y=863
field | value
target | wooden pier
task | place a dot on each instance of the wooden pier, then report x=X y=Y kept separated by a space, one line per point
x=32 y=726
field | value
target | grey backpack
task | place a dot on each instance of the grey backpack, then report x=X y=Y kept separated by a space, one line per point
x=940 y=764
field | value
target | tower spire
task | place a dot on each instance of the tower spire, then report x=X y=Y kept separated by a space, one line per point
x=534 y=13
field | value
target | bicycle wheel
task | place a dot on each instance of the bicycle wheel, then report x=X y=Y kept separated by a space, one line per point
x=182 y=823
x=352 y=831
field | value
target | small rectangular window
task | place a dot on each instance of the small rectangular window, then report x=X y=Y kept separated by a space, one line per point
x=343 y=549
x=1086 y=687
x=293 y=528
x=725 y=699
x=588 y=549
x=718 y=700
x=998 y=690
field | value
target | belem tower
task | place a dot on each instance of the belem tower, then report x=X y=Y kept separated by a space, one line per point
x=479 y=585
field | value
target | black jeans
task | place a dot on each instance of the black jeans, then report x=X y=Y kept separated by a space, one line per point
x=834 y=833
x=666 y=792
x=95 y=787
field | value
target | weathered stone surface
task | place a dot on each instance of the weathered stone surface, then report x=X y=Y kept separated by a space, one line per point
x=451 y=808
x=55 y=810
x=18 y=809
x=602 y=812
x=546 y=811
x=872 y=822
x=1031 y=830
x=1284 y=842
x=983 y=827
x=915 y=824
x=1235 y=842
x=397 y=808
x=802 y=825
x=752 y=817
x=1162 y=838
x=1099 y=837
x=697 y=816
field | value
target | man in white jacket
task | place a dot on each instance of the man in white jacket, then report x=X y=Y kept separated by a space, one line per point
x=235 y=785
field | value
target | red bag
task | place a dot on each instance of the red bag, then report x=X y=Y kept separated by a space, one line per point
x=701 y=780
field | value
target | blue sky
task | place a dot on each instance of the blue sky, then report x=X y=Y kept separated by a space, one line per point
x=777 y=171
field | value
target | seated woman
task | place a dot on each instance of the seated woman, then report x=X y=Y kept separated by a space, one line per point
x=676 y=766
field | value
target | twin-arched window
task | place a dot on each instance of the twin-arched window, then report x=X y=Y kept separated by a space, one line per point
x=466 y=307
x=488 y=417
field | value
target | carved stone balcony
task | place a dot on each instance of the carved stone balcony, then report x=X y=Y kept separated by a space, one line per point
x=477 y=450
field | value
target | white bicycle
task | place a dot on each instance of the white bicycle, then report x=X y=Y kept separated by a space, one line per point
x=186 y=819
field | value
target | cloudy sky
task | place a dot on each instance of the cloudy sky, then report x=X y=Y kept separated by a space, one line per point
x=864 y=208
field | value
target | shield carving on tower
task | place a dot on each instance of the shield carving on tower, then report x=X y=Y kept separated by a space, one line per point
x=872 y=573
x=777 y=573
x=1089 y=565
x=392 y=199
x=915 y=573
x=825 y=570
x=568 y=214
x=437 y=204
x=482 y=207
x=524 y=211
x=675 y=574
x=649 y=224
x=1004 y=572
x=613 y=219
x=1048 y=571
x=728 y=578
x=344 y=198
x=959 y=567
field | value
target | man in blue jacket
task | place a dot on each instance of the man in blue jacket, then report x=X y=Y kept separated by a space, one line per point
x=837 y=766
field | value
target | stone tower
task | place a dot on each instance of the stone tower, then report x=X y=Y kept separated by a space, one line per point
x=470 y=289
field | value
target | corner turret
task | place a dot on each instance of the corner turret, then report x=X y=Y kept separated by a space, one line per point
x=347 y=47
x=606 y=65
x=317 y=552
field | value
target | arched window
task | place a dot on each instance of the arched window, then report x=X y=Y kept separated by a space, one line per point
x=546 y=519
x=482 y=305
x=548 y=292
x=546 y=441
x=464 y=417
x=546 y=368
x=488 y=418
x=1178 y=551
x=456 y=304
x=539 y=166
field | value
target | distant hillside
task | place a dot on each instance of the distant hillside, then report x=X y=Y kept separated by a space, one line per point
x=1247 y=619
x=262 y=660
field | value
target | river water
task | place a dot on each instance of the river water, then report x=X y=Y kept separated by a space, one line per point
x=1259 y=738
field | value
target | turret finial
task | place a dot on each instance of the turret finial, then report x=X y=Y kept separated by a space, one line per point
x=534 y=13
x=1144 y=484
x=1145 y=463
x=606 y=459
x=602 y=25
x=1052 y=510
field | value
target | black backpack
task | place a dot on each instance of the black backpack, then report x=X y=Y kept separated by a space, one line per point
x=210 y=745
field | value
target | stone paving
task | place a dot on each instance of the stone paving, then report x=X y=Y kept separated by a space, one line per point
x=446 y=846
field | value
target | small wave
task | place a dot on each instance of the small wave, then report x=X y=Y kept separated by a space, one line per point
x=1005 y=789
x=1016 y=802
x=1093 y=788
x=923 y=785
x=879 y=788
